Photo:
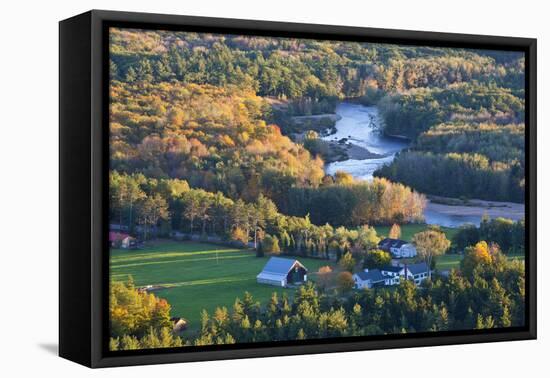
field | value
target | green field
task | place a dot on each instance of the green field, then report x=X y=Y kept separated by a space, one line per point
x=408 y=231
x=452 y=261
x=445 y=262
x=198 y=276
x=448 y=261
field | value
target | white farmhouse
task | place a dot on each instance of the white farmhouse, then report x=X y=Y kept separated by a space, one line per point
x=398 y=248
x=414 y=272
x=394 y=273
x=391 y=275
x=370 y=278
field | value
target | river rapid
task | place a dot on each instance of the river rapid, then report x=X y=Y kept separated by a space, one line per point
x=360 y=125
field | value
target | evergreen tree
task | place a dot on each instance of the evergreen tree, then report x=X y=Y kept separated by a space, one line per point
x=260 y=250
x=131 y=75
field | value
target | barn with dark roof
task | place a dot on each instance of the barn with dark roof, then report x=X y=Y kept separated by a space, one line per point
x=282 y=272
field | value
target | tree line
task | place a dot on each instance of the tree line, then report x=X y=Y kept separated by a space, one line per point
x=466 y=175
x=499 y=143
x=152 y=207
x=418 y=110
x=507 y=234
x=354 y=203
x=188 y=105
x=300 y=68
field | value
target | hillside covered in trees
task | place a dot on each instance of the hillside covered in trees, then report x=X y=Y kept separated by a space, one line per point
x=463 y=109
x=469 y=134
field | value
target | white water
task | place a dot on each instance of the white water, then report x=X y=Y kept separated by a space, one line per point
x=360 y=125
x=362 y=169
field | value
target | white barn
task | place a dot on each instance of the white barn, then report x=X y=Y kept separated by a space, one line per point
x=281 y=272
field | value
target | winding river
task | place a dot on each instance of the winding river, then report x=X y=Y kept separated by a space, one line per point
x=359 y=125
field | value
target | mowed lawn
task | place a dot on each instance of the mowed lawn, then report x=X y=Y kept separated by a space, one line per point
x=408 y=231
x=198 y=275
x=452 y=260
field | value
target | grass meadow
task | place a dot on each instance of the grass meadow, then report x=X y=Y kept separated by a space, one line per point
x=198 y=276
x=452 y=260
x=408 y=231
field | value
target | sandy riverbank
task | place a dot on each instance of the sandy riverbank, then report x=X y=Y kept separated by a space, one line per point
x=352 y=151
x=317 y=117
x=452 y=212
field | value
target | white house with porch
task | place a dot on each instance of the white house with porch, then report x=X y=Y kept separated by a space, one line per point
x=415 y=272
x=391 y=275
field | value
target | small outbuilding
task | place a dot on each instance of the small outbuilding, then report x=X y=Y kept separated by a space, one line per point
x=178 y=324
x=121 y=240
x=282 y=272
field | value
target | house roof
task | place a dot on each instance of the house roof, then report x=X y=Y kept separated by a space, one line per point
x=391 y=268
x=373 y=275
x=418 y=268
x=391 y=243
x=277 y=268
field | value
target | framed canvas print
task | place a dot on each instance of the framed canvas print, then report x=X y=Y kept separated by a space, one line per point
x=233 y=188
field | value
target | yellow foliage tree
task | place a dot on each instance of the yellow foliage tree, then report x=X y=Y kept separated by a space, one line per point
x=429 y=244
x=395 y=232
x=324 y=277
x=345 y=281
x=134 y=312
x=481 y=254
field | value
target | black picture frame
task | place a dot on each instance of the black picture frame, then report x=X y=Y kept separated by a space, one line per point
x=83 y=228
